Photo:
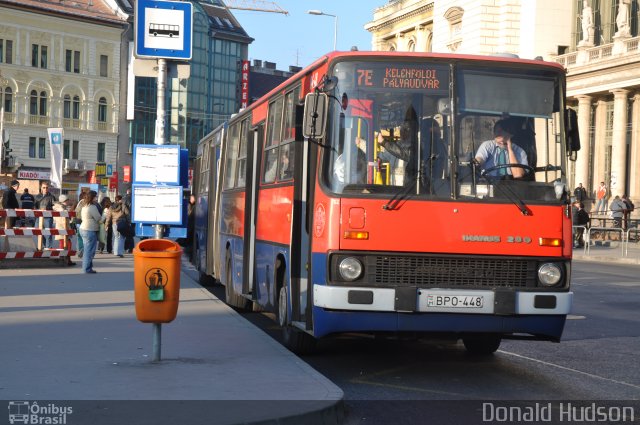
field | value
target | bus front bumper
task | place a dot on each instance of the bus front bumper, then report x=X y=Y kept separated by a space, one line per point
x=437 y=300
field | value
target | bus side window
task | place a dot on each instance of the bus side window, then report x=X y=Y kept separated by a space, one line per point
x=286 y=162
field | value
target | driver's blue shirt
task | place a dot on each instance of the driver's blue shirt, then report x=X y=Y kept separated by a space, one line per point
x=489 y=152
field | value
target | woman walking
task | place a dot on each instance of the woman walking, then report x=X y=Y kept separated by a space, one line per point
x=118 y=213
x=89 y=230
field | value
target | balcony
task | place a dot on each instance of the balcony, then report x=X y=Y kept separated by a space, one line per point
x=593 y=55
x=101 y=126
x=38 y=120
x=70 y=123
x=74 y=165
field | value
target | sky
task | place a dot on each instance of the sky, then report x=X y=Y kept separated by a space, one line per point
x=299 y=38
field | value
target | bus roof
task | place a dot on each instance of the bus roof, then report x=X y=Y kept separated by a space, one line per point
x=487 y=59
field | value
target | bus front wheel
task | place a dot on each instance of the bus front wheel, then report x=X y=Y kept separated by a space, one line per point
x=294 y=339
x=482 y=345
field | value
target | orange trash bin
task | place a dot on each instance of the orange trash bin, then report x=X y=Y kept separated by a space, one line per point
x=156 y=276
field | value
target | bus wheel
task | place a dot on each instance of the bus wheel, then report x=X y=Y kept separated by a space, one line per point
x=294 y=339
x=233 y=299
x=482 y=345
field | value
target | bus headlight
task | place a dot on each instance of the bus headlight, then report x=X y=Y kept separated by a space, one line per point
x=549 y=274
x=350 y=269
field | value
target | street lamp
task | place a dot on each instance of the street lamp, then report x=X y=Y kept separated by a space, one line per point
x=335 y=24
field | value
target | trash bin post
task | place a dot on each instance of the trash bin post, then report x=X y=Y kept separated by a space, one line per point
x=156 y=276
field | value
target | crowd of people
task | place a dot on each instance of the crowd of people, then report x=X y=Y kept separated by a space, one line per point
x=618 y=211
x=101 y=224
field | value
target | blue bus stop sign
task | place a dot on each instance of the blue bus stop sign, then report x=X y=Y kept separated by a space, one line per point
x=164 y=29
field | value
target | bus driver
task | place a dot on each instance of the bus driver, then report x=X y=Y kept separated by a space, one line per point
x=496 y=153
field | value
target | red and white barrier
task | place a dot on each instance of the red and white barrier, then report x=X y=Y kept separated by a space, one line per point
x=36 y=213
x=49 y=253
x=31 y=231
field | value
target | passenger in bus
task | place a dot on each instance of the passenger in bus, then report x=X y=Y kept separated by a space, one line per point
x=496 y=153
x=402 y=149
x=286 y=171
x=433 y=150
x=359 y=170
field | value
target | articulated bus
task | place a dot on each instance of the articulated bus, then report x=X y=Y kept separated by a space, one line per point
x=366 y=194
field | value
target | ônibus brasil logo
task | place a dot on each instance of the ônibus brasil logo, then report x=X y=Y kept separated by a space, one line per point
x=27 y=412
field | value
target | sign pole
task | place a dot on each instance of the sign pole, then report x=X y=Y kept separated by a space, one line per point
x=160 y=140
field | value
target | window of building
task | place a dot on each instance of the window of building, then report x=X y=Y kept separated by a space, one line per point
x=104 y=65
x=6 y=51
x=42 y=147
x=39 y=56
x=66 y=108
x=75 y=149
x=66 y=149
x=32 y=147
x=101 y=152
x=102 y=110
x=33 y=103
x=43 y=103
x=7 y=100
x=72 y=61
x=454 y=16
x=76 y=108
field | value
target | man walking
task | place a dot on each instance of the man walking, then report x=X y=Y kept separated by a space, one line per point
x=10 y=202
x=601 y=196
x=27 y=202
x=45 y=201
x=580 y=193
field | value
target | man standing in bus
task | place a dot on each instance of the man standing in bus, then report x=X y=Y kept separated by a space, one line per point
x=496 y=154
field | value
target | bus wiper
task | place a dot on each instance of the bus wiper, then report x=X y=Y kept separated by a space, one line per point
x=508 y=193
x=401 y=195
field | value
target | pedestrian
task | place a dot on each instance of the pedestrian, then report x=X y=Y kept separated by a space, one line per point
x=77 y=221
x=89 y=230
x=118 y=219
x=44 y=201
x=628 y=210
x=60 y=223
x=582 y=220
x=191 y=223
x=10 y=202
x=601 y=196
x=129 y=242
x=104 y=236
x=617 y=210
x=580 y=193
x=27 y=202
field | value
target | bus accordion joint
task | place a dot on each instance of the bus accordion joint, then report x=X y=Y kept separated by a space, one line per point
x=351 y=234
x=554 y=242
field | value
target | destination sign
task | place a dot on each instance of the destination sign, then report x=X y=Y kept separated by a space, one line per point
x=409 y=77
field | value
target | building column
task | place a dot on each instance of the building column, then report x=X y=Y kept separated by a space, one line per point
x=619 y=143
x=634 y=176
x=584 y=124
x=599 y=146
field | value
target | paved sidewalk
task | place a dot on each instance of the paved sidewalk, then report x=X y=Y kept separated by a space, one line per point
x=73 y=339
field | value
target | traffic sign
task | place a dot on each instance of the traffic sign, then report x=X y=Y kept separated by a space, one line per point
x=164 y=29
x=109 y=172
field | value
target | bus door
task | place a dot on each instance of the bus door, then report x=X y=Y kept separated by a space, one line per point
x=214 y=190
x=253 y=139
x=301 y=222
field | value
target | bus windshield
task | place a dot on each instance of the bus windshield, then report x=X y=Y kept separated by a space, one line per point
x=430 y=129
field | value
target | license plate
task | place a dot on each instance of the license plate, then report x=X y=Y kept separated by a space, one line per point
x=455 y=301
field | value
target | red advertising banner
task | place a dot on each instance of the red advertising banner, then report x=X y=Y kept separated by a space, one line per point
x=244 y=85
x=91 y=177
x=126 y=173
x=113 y=181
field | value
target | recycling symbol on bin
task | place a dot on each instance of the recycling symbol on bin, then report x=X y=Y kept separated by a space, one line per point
x=156 y=278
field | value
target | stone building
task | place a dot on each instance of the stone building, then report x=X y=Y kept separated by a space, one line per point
x=603 y=65
x=60 y=67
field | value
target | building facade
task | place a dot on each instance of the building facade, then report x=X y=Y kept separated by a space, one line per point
x=60 y=67
x=603 y=66
x=527 y=28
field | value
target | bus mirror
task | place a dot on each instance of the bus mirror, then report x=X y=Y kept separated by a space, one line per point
x=315 y=115
x=573 y=135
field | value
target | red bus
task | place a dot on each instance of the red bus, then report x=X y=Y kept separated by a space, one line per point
x=366 y=194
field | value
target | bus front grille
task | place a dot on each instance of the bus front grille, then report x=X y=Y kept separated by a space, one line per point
x=443 y=271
